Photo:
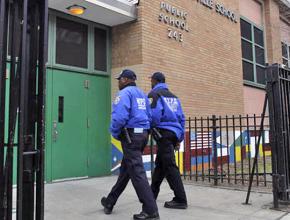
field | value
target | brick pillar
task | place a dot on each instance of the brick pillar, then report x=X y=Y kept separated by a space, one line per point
x=273 y=36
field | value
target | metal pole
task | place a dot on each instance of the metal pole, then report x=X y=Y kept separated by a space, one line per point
x=277 y=134
x=4 y=7
x=257 y=149
x=30 y=159
x=151 y=155
x=189 y=147
x=195 y=152
x=208 y=148
x=43 y=45
x=22 y=116
x=273 y=140
x=214 y=145
x=13 y=103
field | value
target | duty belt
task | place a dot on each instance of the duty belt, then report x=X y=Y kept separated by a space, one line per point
x=137 y=130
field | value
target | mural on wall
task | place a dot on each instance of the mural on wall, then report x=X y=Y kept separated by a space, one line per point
x=117 y=155
x=231 y=147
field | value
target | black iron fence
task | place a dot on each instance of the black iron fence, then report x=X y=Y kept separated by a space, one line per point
x=24 y=22
x=222 y=149
x=278 y=90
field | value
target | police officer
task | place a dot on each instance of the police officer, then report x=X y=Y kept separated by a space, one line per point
x=168 y=119
x=130 y=124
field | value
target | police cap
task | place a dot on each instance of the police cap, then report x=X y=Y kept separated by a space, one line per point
x=159 y=77
x=126 y=73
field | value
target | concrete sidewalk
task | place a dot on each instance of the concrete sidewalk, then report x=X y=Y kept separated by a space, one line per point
x=77 y=200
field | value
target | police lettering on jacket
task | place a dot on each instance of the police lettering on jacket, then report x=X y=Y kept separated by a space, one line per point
x=166 y=110
x=131 y=109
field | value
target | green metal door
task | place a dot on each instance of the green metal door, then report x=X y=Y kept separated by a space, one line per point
x=69 y=125
x=78 y=138
x=98 y=132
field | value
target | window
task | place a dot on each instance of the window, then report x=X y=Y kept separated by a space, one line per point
x=286 y=54
x=71 y=43
x=100 y=49
x=79 y=45
x=253 y=52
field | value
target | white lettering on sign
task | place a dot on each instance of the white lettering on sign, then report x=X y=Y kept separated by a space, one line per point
x=173 y=22
x=220 y=9
x=207 y=3
x=176 y=18
x=174 y=34
x=173 y=10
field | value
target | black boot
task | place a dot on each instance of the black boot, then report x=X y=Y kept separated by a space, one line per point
x=144 y=215
x=175 y=205
x=108 y=207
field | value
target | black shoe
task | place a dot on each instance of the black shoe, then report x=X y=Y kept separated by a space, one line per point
x=144 y=215
x=107 y=206
x=175 y=205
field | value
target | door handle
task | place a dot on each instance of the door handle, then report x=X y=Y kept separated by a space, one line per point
x=54 y=132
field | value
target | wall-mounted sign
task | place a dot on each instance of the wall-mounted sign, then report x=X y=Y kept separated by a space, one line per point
x=220 y=9
x=176 y=18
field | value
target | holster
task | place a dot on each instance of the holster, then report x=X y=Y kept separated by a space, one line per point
x=156 y=134
x=126 y=135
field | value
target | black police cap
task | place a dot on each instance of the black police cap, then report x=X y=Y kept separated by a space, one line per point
x=159 y=77
x=126 y=73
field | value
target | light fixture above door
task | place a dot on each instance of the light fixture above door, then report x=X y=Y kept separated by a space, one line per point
x=76 y=9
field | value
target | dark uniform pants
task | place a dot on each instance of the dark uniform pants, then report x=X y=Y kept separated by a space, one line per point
x=132 y=168
x=165 y=167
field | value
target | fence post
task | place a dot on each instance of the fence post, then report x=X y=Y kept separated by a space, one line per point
x=189 y=147
x=214 y=146
x=3 y=48
x=151 y=155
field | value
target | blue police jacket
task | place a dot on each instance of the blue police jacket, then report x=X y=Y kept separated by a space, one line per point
x=131 y=109
x=166 y=110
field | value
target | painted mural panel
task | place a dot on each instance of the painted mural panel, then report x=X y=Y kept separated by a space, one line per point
x=117 y=155
x=235 y=152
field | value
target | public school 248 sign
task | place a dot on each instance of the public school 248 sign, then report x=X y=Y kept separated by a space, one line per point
x=176 y=18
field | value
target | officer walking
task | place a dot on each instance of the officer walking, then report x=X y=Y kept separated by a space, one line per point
x=130 y=124
x=168 y=121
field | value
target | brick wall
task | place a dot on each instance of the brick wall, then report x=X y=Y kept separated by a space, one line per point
x=204 y=70
x=127 y=49
x=273 y=36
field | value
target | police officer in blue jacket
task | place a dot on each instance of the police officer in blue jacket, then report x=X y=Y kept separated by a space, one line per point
x=169 y=121
x=130 y=123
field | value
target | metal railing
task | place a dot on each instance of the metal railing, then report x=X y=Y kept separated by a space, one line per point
x=221 y=150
